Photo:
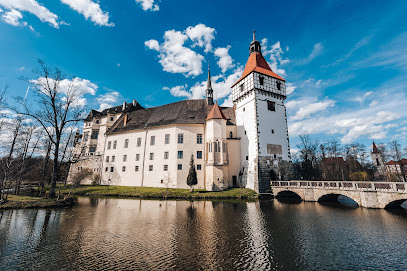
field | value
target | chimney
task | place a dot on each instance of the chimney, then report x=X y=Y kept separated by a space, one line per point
x=134 y=102
x=124 y=106
x=125 y=119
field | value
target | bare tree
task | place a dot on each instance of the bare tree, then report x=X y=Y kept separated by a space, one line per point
x=57 y=100
x=396 y=153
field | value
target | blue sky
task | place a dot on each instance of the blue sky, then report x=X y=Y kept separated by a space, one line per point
x=345 y=62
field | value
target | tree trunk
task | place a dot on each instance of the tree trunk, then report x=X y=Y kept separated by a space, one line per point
x=55 y=171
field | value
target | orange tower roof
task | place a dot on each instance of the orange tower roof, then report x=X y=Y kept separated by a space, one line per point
x=375 y=149
x=257 y=63
x=216 y=113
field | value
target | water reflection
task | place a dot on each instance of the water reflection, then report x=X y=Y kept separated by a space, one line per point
x=201 y=235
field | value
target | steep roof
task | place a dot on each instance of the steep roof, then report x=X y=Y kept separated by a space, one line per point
x=216 y=113
x=257 y=63
x=114 y=110
x=392 y=162
x=375 y=149
x=182 y=112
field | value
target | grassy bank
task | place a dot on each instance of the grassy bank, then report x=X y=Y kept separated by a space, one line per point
x=24 y=202
x=159 y=193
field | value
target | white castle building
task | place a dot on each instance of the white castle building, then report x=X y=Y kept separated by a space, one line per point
x=246 y=145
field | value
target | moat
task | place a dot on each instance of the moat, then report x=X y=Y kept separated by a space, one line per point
x=101 y=234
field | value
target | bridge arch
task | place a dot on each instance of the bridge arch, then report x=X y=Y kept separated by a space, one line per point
x=288 y=194
x=396 y=204
x=343 y=199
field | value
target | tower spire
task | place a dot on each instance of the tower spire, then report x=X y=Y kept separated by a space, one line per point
x=209 y=90
x=255 y=44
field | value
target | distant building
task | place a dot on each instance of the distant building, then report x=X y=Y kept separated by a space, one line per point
x=246 y=145
x=388 y=171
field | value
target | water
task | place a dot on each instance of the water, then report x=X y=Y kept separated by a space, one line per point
x=108 y=234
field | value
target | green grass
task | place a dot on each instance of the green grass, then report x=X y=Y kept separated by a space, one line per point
x=150 y=192
x=24 y=202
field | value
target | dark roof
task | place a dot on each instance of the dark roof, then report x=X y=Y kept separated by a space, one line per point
x=114 y=110
x=182 y=112
x=375 y=149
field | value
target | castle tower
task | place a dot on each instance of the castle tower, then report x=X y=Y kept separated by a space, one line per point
x=217 y=159
x=376 y=157
x=209 y=90
x=261 y=121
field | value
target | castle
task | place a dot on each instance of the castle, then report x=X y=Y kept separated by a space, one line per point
x=246 y=145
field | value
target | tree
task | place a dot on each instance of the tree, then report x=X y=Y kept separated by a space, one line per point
x=192 y=179
x=396 y=154
x=309 y=168
x=58 y=102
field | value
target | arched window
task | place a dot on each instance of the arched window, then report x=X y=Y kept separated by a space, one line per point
x=230 y=134
x=216 y=146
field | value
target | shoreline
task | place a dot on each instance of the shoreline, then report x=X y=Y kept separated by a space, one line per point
x=158 y=193
x=27 y=202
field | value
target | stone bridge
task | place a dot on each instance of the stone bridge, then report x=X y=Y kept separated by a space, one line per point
x=366 y=194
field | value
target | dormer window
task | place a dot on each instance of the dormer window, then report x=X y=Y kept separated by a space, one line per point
x=261 y=79
x=111 y=118
x=242 y=87
x=279 y=85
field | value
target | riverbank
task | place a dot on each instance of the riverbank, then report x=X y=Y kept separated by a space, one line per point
x=25 y=202
x=158 y=193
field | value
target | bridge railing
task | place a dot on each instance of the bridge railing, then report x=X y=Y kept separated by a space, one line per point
x=344 y=185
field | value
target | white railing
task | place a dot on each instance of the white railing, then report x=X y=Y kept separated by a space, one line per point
x=344 y=185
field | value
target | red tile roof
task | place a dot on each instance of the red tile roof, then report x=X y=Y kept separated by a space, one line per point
x=216 y=113
x=402 y=161
x=257 y=63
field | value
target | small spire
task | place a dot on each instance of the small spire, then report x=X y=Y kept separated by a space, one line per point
x=209 y=83
x=254 y=35
x=209 y=91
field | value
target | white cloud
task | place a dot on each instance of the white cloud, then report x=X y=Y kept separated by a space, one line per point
x=33 y=7
x=80 y=85
x=90 y=10
x=174 y=56
x=290 y=88
x=201 y=35
x=108 y=100
x=275 y=54
x=148 y=5
x=225 y=61
x=13 y=17
x=373 y=103
x=362 y=98
x=316 y=51
x=220 y=85
x=308 y=109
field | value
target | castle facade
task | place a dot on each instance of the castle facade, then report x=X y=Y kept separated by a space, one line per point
x=246 y=145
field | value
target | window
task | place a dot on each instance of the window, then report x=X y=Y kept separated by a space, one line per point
x=114 y=144
x=111 y=169
x=209 y=147
x=165 y=167
x=242 y=87
x=85 y=136
x=152 y=140
x=109 y=145
x=271 y=106
x=92 y=149
x=216 y=146
x=124 y=158
x=199 y=139
x=106 y=169
x=247 y=157
x=167 y=139
x=180 y=154
x=126 y=143
x=244 y=109
x=95 y=134
x=137 y=157
x=113 y=158
x=97 y=121
x=180 y=138
x=261 y=78
x=136 y=168
x=123 y=168
x=279 y=85
x=138 y=141
x=199 y=155
x=179 y=166
x=377 y=161
x=107 y=158
x=166 y=154
x=275 y=156
x=111 y=118
x=272 y=131
x=150 y=168
x=198 y=167
x=230 y=134
x=151 y=156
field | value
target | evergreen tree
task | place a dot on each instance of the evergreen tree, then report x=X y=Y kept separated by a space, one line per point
x=192 y=179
